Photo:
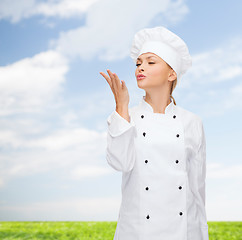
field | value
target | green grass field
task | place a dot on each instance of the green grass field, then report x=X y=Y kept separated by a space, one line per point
x=95 y=230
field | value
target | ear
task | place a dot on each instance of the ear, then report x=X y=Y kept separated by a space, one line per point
x=172 y=75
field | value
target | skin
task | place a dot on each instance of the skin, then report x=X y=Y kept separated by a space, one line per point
x=158 y=81
x=157 y=84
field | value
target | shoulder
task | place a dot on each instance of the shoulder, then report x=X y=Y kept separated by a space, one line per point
x=188 y=116
x=192 y=122
x=193 y=127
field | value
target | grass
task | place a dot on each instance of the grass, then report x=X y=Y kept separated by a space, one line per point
x=95 y=230
x=57 y=230
x=225 y=230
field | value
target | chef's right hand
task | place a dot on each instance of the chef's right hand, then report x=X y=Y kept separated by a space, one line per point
x=119 y=89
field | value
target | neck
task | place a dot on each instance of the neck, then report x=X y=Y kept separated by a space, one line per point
x=158 y=101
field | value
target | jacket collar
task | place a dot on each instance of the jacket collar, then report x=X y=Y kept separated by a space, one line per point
x=143 y=105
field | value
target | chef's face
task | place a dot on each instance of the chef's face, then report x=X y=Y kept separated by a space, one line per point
x=156 y=71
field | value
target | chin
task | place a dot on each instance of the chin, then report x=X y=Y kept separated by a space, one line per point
x=142 y=85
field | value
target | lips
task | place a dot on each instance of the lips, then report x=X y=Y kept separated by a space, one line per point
x=140 y=76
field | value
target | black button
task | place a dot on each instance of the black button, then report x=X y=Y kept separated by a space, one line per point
x=147 y=188
x=177 y=135
x=174 y=116
x=146 y=161
x=180 y=187
x=177 y=161
x=142 y=116
x=144 y=134
x=180 y=213
x=147 y=216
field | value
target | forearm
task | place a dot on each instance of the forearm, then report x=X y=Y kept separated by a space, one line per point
x=123 y=112
x=120 y=152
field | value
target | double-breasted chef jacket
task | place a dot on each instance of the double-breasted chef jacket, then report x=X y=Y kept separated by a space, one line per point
x=162 y=157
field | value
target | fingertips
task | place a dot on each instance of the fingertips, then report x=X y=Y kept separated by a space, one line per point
x=116 y=76
x=123 y=83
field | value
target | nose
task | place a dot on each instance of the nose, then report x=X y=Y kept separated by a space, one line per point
x=140 y=68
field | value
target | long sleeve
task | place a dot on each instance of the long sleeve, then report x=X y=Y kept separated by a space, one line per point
x=201 y=180
x=201 y=155
x=120 y=151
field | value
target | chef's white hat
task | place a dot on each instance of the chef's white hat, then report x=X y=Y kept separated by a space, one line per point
x=164 y=43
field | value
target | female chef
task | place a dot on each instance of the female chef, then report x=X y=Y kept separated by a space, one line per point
x=158 y=146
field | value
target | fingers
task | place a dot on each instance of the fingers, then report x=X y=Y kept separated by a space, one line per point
x=107 y=78
x=113 y=80
x=123 y=84
x=116 y=81
x=118 y=88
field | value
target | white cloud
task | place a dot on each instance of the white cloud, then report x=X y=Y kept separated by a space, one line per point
x=66 y=138
x=78 y=209
x=58 y=140
x=29 y=83
x=85 y=171
x=63 y=8
x=224 y=63
x=110 y=26
x=1 y=183
x=32 y=83
x=224 y=204
x=223 y=200
x=213 y=85
x=68 y=150
x=16 y=10
x=9 y=138
x=233 y=99
x=221 y=171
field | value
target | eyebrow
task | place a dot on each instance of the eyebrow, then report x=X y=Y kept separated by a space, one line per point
x=147 y=57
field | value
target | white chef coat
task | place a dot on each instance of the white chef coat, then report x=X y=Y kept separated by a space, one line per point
x=162 y=158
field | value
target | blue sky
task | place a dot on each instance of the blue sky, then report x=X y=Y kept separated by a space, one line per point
x=54 y=103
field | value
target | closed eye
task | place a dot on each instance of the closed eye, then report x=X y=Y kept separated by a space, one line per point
x=140 y=64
